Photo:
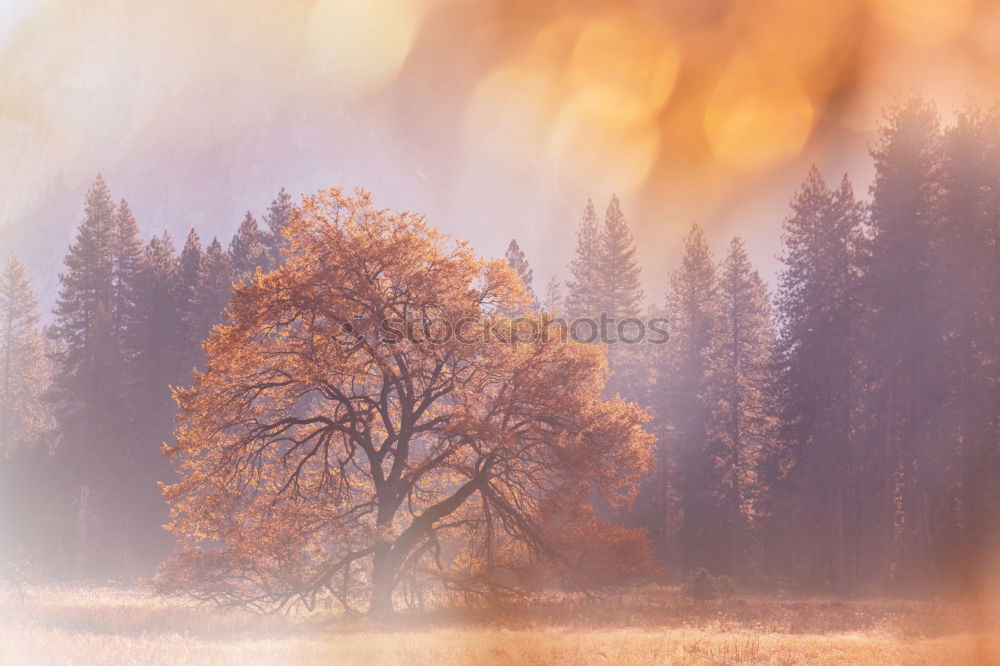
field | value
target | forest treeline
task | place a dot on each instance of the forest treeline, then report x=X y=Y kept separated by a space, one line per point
x=86 y=399
x=842 y=431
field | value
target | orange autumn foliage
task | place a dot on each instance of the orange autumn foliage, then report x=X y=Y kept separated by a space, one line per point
x=319 y=459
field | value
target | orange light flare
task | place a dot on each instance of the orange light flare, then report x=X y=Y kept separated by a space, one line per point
x=928 y=22
x=584 y=98
x=510 y=109
x=814 y=41
x=688 y=101
x=618 y=94
x=758 y=117
x=626 y=64
x=359 y=46
x=507 y=113
x=621 y=72
x=944 y=49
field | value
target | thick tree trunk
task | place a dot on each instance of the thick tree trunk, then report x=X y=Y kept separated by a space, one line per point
x=389 y=557
x=383 y=574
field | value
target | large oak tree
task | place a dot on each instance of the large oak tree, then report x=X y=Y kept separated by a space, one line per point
x=337 y=447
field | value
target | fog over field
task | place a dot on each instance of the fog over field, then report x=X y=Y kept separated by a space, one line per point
x=506 y=331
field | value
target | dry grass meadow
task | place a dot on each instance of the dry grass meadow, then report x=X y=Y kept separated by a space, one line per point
x=127 y=625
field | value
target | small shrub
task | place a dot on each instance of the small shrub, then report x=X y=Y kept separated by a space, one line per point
x=725 y=586
x=703 y=585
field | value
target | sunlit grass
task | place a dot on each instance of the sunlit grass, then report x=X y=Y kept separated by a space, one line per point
x=114 y=626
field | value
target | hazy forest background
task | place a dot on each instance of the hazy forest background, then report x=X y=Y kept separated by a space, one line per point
x=232 y=231
x=838 y=430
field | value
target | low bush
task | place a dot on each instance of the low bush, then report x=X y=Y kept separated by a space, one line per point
x=703 y=585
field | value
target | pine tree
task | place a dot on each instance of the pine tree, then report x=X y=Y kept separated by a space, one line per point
x=160 y=331
x=820 y=355
x=581 y=289
x=742 y=398
x=161 y=363
x=96 y=416
x=189 y=267
x=248 y=250
x=28 y=433
x=102 y=459
x=25 y=413
x=212 y=294
x=516 y=259
x=87 y=282
x=906 y=358
x=619 y=293
x=968 y=272
x=127 y=258
x=89 y=390
x=188 y=272
x=276 y=218
x=682 y=413
x=554 y=301
x=618 y=296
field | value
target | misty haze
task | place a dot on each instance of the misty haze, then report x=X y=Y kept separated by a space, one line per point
x=438 y=332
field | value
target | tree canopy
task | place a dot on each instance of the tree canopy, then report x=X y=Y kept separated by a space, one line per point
x=321 y=458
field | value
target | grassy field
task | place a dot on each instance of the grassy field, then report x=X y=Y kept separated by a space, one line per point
x=105 y=625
